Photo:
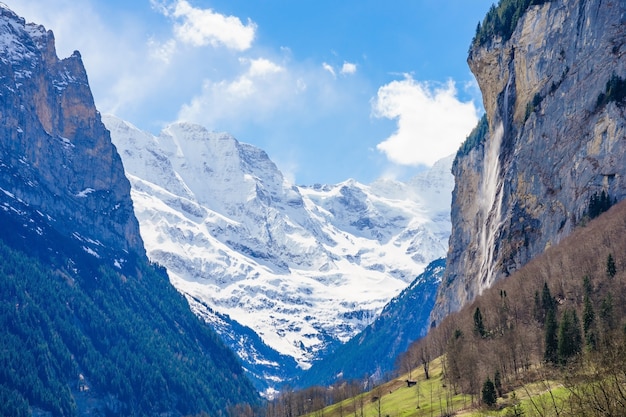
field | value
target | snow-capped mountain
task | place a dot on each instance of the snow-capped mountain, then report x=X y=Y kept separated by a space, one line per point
x=304 y=267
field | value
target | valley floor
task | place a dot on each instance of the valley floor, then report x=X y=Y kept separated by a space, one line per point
x=433 y=397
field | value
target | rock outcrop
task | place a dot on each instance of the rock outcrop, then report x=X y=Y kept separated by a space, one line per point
x=56 y=156
x=554 y=99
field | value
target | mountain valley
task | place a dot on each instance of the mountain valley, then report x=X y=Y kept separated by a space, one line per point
x=306 y=268
x=182 y=274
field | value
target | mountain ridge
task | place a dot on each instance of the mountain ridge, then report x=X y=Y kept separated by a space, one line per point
x=51 y=138
x=305 y=267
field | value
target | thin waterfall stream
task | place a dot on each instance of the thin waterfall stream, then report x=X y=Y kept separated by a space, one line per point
x=490 y=208
x=491 y=196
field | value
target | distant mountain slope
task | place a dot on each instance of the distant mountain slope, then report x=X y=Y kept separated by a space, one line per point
x=304 y=267
x=373 y=351
x=87 y=325
x=265 y=367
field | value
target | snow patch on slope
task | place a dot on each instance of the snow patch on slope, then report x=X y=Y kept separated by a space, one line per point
x=304 y=267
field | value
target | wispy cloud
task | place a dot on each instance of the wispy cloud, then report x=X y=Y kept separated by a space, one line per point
x=431 y=121
x=348 y=68
x=329 y=68
x=261 y=88
x=162 y=51
x=203 y=27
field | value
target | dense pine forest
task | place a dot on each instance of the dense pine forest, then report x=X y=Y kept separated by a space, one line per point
x=73 y=329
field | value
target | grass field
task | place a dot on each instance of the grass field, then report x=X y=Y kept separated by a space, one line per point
x=432 y=398
x=395 y=399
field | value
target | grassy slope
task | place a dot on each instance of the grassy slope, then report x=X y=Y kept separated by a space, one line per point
x=396 y=399
x=435 y=399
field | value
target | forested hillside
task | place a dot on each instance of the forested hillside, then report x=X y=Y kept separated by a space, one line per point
x=562 y=317
x=77 y=336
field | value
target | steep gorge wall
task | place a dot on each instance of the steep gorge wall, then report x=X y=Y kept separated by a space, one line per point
x=56 y=156
x=551 y=143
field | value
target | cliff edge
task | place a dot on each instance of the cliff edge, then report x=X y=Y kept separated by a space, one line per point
x=56 y=156
x=553 y=138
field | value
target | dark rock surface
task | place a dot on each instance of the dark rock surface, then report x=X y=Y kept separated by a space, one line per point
x=56 y=156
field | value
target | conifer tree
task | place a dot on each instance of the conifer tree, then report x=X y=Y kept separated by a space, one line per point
x=489 y=393
x=606 y=313
x=589 y=317
x=611 y=269
x=544 y=304
x=479 y=326
x=537 y=309
x=547 y=301
x=551 y=338
x=497 y=382
x=587 y=287
x=569 y=336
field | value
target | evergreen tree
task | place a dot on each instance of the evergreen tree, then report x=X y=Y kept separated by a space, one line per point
x=611 y=269
x=598 y=204
x=489 y=393
x=551 y=338
x=569 y=336
x=497 y=382
x=544 y=303
x=589 y=317
x=587 y=287
x=476 y=137
x=538 y=310
x=615 y=91
x=479 y=326
x=606 y=313
x=547 y=301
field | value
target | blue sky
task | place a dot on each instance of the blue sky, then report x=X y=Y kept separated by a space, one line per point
x=331 y=90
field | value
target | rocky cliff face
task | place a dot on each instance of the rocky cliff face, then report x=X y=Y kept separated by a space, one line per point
x=56 y=156
x=554 y=100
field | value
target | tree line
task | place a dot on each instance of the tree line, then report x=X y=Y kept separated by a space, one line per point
x=501 y=20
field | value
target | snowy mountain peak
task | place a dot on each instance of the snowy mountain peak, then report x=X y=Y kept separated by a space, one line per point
x=304 y=267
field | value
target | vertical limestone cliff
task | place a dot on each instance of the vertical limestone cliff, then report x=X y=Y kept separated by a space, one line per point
x=554 y=99
x=56 y=156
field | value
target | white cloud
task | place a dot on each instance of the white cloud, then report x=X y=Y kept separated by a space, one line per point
x=263 y=87
x=431 y=121
x=202 y=27
x=329 y=68
x=261 y=66
x=348 y=68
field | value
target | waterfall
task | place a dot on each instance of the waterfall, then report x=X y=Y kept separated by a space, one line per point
x=490 y=208
x=491 y=194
